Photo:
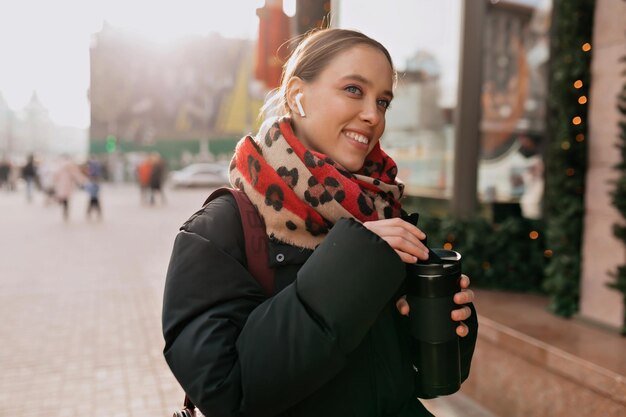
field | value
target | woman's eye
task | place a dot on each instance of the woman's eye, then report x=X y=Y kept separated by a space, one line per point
x=353 y=89
x=384 y=104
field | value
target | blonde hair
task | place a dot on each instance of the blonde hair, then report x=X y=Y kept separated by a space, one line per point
x=308 y=60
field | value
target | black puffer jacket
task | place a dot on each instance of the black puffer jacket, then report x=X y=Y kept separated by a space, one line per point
x=330 y=342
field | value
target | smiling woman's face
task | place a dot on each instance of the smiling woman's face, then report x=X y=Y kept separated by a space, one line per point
x=345 y=106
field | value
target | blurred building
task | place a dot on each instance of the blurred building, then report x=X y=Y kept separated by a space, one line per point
x=417 y=127
x=172 y=98
x=196 y=96
x=31 y=130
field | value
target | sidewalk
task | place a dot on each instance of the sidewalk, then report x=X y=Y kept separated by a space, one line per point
x=80 y=304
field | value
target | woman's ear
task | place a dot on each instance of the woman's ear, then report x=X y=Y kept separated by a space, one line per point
x=294 y=94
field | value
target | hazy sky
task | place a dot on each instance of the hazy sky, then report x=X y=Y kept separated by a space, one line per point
x=407 y=26
x=44 y=44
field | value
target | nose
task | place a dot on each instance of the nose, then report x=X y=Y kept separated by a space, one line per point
x=370 y=113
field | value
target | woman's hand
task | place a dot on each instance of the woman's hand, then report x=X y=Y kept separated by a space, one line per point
x=402 y=236
x=460 y=314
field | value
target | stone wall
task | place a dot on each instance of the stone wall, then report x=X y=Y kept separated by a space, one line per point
x=515 y=375
x=601 y=251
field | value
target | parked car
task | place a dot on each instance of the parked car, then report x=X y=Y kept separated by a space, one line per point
x=201 y=175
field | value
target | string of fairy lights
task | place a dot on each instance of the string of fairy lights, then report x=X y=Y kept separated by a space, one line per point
x=544 y=255
x=566 y=157
x=565 y=145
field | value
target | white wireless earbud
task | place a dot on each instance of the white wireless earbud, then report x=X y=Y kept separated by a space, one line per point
x=300 y=109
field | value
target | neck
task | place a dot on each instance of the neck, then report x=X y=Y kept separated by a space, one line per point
x=298 y=131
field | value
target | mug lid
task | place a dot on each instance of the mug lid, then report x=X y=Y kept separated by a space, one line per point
x=443 y=262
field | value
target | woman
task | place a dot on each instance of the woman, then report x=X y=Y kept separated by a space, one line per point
x=332 y=340
x=65 y=179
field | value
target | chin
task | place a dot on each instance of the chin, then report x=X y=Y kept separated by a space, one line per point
x=353 y=166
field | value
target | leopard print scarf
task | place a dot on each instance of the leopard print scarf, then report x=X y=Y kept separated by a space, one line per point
x=301 y=193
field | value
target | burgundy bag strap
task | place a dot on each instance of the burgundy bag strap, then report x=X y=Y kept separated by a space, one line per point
x=257 y=249
x=256 y=241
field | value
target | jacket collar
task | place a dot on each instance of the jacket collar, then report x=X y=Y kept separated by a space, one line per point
x=281 y=254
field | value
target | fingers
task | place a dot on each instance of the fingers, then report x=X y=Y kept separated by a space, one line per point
x=465 y=281
x=399 y=229
x=401 y=245
x=462 y=330
x=464 y=297
x=395 y=223
x=403 y=306
x=399 y=223
x=402 y=236
x=461 y=314
x=457 y=315
x=406 y=257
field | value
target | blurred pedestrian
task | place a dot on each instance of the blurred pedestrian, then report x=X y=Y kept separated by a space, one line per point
x=29 y=174
x=66 y=178
x=47 y=168
x=5 y=169
x=15 y=172
x=93 y=190
x=144 y=170
x=330 y=335
x=157 y=176
x=94 y=168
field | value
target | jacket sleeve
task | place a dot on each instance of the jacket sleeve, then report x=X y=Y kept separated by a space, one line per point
x=237 y=353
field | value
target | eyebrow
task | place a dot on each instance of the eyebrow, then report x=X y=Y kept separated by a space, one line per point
x=365 y=81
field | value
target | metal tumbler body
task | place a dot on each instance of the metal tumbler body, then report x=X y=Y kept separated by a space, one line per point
x=430 y=291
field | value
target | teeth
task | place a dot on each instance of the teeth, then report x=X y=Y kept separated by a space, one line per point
x=357 y=137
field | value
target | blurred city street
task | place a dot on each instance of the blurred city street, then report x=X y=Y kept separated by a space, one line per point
x=80 y=305
x=81 y=301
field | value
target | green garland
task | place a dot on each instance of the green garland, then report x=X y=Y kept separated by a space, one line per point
x=509 y=255
x=619 y=201
x=566 y=156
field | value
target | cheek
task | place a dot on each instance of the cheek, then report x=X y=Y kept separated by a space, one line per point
x=325 y=127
